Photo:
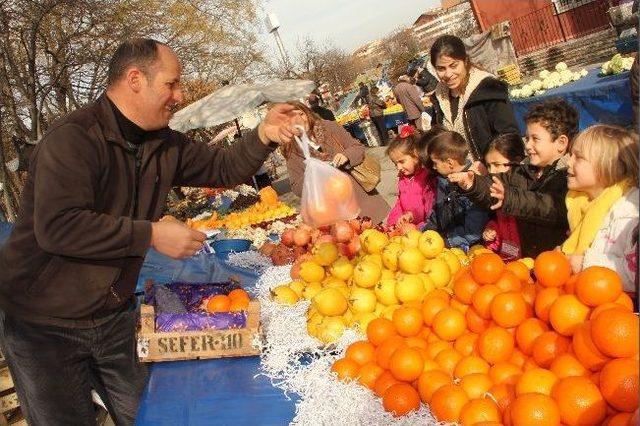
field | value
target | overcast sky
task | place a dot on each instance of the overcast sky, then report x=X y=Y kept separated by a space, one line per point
x=348 y=23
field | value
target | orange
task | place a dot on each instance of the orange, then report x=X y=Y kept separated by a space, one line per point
x=585 y=350
x=416 y=342
x=517 y=358
x=401 y=399
x=548 y=346
x=466 y=344
x=238 y=304
x=406 y=364
x=469 y=365
x=529 y=292
x=605 y=307
x=552 y=268
x=495 y=344
x=508 y=309
x=430 y=381
x=386 y=350
x=527 y=332
x=429 y=364
x=537 y=380
x=503 y=394
x=509 y=281
x=476 y=385
x=580 y=402
x=464 y=287
x=361 y=352
x=436 y=347
x=480 y=410
x=567 y=365
x=482 y=299
x=620 y=419
x=431 y=307
x=475 y=322
x=486 y=268
x=447 y=402
x=408 y=321
x=597 y=285
x=219 y=303
x=459 y=306
x=369 y=373
x=346 y=369
x=520 y=270
x=505 y=372
x=449 y=324
x=616 y=333
x=448 y=359
x=570 y=285
x=384 y=382
x=379 y=330
x=567 y=313
x=534 y=409
x=238 y=293
x=544 y=301
x=619 y=384
x=625 y=301
x=438 y=293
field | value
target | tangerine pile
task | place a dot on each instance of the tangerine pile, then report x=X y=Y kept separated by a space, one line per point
x=562 y=349
x=237 y=300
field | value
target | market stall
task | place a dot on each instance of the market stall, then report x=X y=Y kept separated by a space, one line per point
x=605 y=99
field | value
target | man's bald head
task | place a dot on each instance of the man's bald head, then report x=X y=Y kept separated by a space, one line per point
x=140 y=53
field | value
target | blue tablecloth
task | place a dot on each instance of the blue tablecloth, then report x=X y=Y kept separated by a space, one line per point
x=206 y=392
x=598 y=100
x=391 y=121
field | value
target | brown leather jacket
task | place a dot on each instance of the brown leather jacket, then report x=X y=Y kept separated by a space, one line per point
x=86 y=211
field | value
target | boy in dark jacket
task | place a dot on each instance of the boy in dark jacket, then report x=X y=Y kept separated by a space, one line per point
x=534 y=192
x=454 y=216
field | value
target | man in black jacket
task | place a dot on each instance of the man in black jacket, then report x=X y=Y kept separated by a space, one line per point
x=324 y=113
x=90 y=210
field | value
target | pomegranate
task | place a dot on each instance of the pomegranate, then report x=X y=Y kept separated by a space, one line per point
x=353 y=247
x=301 y=237
x=342 y=232
x=295 y=268
x=287 y=237
x=326 y=238
x=366 y=223
x=355 y=225
x=267 y=248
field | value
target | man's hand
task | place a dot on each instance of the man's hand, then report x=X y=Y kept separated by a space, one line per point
x=489 y=235
x=339 y=160
x=497 y=191
x=175 y=239
x=463 y=179
x=277 y=125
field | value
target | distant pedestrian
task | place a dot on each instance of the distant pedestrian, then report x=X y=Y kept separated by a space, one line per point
x=376 y=110
x=407 y=95
x=324 y=113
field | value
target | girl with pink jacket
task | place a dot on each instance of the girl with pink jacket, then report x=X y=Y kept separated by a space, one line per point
x=416 y=185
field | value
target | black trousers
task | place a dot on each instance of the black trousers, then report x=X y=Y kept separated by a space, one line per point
x=55 y=368
x=382 y=130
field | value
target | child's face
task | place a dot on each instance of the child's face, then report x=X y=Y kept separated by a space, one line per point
x=542 y=149
x=446 y=167
x=406 y=163
x=496 y=162
x=582 y=174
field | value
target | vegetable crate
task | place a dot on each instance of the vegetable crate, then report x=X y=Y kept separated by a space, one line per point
x=510 y=74
x=156 y=346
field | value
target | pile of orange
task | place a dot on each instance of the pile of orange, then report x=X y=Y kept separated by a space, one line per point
x=508 y=349
x=237 y=300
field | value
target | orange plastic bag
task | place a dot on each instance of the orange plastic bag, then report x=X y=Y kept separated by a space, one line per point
x=328 y=195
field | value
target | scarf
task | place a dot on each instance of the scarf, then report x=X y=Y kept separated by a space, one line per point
x=586 y=217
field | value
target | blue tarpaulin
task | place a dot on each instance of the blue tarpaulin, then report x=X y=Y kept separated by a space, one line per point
x=604 y=100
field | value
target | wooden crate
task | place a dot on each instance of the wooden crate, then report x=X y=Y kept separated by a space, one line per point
x=182 y=345
x=9 y=404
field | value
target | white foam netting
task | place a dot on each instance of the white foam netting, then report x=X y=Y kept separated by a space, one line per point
x=297 y=363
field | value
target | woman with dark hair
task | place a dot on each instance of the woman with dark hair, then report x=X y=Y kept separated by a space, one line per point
x=330 y=142
x=469 y=100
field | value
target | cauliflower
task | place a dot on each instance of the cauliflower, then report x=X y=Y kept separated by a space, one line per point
x=515 y=93
x=536 y=84
x=566 y=76
x=576 y=76
x=627 y=63
x=547 y=83
x=543 y=74
x=539 y=92
x=561 y=66
x=583 y=73
x=616 y=63
x=526 y=91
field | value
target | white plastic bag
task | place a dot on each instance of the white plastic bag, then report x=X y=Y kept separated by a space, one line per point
x=328 y=195
x=426 y=121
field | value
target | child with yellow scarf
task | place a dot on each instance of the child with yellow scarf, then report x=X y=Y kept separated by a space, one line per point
x=602 y=202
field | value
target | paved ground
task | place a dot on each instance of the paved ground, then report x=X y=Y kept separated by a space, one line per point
x=387 y=187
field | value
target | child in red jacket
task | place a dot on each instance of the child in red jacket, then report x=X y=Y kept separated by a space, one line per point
x=501 y=234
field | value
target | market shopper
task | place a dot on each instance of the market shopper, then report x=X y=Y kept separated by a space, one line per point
x=467 y=99
x=408 y=96
x=96 y=189
x=331 y=142
x=325 y=113
x=376 y=111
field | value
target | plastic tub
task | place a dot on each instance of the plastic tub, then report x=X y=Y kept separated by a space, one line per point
x=222 y=248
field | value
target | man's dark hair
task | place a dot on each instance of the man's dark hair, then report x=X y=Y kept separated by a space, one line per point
x=135 y=52
x=314 y=100
x=556 y=116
